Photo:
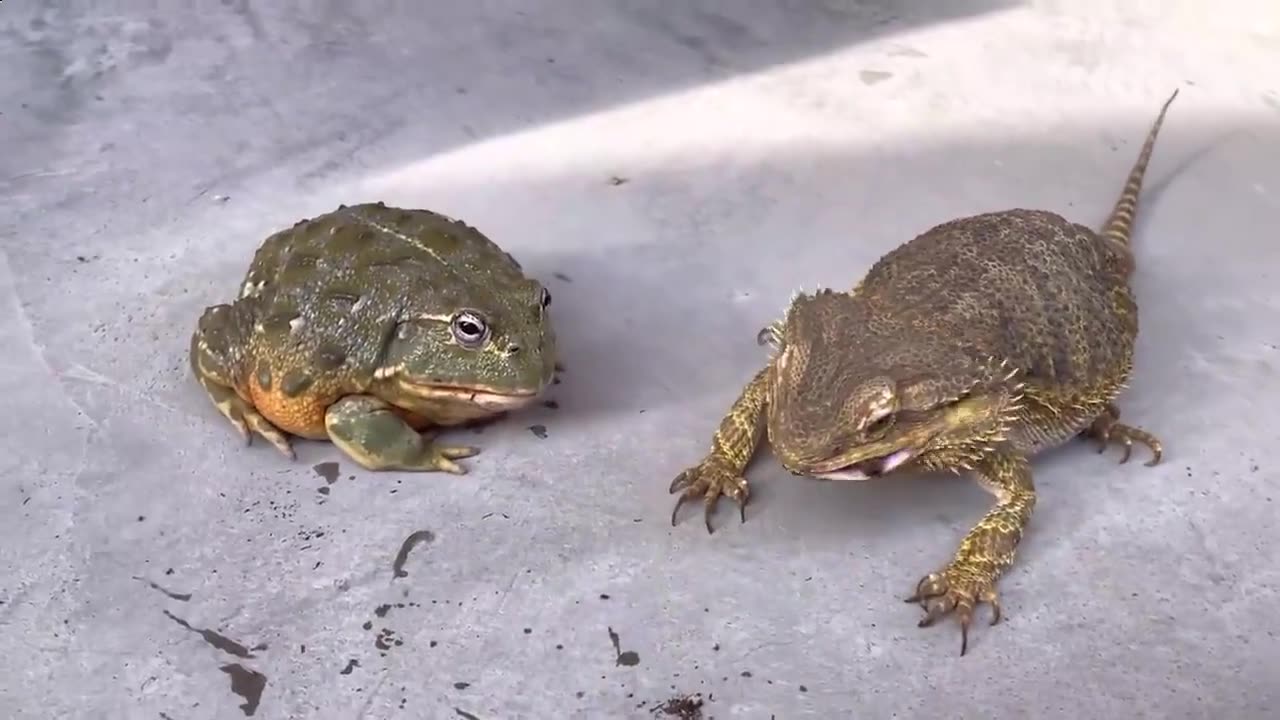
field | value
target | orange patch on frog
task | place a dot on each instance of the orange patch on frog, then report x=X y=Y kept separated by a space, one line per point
x=301 y=415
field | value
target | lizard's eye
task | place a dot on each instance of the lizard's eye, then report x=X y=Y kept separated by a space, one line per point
x=880 y=424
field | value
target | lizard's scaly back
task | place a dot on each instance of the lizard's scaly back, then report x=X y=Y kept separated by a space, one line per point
x=1119 y=226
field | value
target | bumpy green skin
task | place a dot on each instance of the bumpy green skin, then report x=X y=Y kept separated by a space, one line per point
x=974 y=346
x=347 y=328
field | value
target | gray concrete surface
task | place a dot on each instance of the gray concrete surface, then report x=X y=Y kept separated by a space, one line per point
x=146 y=148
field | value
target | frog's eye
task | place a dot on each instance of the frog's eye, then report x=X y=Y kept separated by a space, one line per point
x=546 y=297
x=470 y=328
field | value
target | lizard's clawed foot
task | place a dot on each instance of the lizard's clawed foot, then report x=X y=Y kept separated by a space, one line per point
x=1108 y=429
x=960 y=589
x=711 y=478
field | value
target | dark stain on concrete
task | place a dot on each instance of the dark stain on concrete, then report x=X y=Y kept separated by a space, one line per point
x=352 y=664
x=539 y=431
x=181 y=597
x=328 y=470
x=630 y=658
x=464 y=714
x=248 y=684
x=217 y=640
x=421 y=536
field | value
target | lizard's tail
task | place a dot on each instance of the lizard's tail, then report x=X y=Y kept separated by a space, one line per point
x=1120 y=224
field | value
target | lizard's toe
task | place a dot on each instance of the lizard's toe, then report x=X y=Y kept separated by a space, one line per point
x=711 y=481
x=1108 y=430
x=959 y=590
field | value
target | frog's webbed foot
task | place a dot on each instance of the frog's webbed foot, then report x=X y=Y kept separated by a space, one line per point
x=711 y=479
x=1108 y=429
x=371 y=432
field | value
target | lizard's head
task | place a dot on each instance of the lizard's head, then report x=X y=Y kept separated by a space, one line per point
x=851 y=400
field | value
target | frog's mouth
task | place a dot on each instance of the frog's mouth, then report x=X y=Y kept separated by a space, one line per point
x=489 y=398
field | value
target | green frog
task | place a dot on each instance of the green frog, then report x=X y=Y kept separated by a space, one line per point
x=371 y=326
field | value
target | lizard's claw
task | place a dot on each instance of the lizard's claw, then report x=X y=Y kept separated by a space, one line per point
x=710 y=479
x=1108 y=429
x=956 y=588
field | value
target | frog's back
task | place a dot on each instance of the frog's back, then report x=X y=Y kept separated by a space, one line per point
x=371 y=248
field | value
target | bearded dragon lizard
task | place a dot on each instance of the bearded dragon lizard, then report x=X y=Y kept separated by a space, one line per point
x=971 y=348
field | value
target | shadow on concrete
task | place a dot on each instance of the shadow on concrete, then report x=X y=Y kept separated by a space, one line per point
x=337 y=77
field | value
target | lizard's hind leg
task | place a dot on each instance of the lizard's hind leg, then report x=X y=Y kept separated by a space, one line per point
x=1107 y=429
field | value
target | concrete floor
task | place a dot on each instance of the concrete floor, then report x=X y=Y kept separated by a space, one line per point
x=155 y=567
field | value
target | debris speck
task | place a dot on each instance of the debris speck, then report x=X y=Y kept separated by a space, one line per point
x=688 y=707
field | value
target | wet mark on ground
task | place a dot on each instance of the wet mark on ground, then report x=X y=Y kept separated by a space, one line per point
x=461 y=685
x=551 y=405
x=248 y=684
x=562 y=277
x=217 y=640
x=414 y=539
x=617 y=180
x=464 y=714
x=182 y=597
x=352 y=664
x=328 y=470
x=539 y=431
x=629 y=658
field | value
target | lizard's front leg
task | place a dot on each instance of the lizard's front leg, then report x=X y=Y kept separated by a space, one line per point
x=986 y=552
x=732 y=447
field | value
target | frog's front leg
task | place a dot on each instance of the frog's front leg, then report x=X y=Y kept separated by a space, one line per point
x=376 y=436
x=217 y=358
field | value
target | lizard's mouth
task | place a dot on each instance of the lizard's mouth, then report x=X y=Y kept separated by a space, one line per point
x=841 y=469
